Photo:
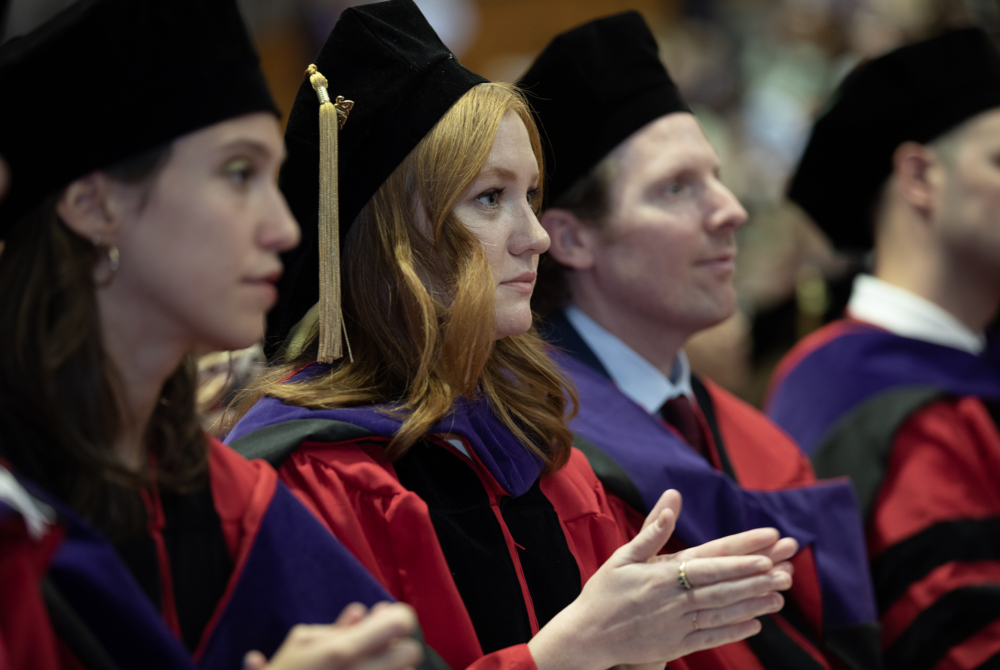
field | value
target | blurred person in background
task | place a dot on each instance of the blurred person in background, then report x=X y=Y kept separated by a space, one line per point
x=641 y=258
x=434 y=443
x=902 y=393
x=143 y=221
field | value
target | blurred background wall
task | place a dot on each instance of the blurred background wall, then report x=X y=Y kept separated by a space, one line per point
x=755 y=71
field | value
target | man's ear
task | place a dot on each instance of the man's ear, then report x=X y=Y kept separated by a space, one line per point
x=913 y=165
x=87 y=208
x=572 y=243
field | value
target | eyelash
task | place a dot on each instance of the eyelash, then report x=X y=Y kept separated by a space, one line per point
x=241 y=168
x=674 y=188
x=498 y=192
x=681 y=184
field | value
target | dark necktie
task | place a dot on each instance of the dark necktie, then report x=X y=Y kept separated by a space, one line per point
x=679 y=413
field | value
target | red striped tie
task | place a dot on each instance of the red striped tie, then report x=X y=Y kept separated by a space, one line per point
x=679 y=413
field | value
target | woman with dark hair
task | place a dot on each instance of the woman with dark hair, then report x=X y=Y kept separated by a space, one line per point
x=436 y=448
x=143 y=221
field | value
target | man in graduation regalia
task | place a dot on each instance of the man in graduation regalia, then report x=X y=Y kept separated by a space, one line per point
x=641 y=258
x=901 y=394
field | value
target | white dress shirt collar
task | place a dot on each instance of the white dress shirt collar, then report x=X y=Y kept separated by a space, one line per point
x=906 y=314
x=636 y=377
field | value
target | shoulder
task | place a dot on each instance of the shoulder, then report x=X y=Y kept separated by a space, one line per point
x=954 y=423
x=763 y=454
x=733 y=412
x=576 y=472
x=272 y=430
x=357 y=464
x=944 y=464
x=238 y=484
x=952 y=438
x=592 y=528
x=816 y=346
x=225 y=463
x=574 y=489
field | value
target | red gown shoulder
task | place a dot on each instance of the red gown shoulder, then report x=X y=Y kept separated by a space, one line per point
x=355 y=493
x=241 y=492
x=763 y=455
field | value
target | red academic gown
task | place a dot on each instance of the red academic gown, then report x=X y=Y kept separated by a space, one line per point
x=739 y=441
x=763 y=458
x=388 y=528
x=69 y=601
x=398 y=519
x=242 y=491
x=910 y=421
x=933 y=535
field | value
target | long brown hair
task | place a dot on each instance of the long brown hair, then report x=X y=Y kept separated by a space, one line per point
x=59 y=392
x=419 y=301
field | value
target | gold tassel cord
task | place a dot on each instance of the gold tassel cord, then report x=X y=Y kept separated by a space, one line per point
x=332 y=116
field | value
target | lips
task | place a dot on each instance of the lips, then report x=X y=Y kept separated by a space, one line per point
x=725 y=257
x=266 y=282
x=525 y=282
x=724 y=260
x=271 y=277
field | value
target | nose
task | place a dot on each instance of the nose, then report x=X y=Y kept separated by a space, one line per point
x=529 y=237
x=278 y=231
x=726 y=214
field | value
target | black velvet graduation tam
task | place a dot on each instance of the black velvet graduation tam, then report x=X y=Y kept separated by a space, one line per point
x=915 y=93
x=591 y=88
x=388 y=60
x=107 y=80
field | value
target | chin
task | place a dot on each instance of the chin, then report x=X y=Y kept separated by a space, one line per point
x=704 y=314
x=712 y=318
x=234 y=339
x=514 y=324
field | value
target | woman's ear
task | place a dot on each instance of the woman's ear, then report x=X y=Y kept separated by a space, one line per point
x=572 y=242
x=87 y=208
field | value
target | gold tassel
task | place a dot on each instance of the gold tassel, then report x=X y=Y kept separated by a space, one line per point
x=332 y=117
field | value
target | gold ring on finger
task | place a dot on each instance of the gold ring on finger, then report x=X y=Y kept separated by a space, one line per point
x=682 y=578
x=694 y=621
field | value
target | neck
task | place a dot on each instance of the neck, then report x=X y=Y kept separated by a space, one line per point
x=658 y=343
x=144 y=357
x=925 y=267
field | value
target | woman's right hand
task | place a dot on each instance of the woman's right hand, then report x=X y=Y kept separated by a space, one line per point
x=634 y=610
x=360 y=639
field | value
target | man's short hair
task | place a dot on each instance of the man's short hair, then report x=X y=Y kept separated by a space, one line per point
x=589 y=200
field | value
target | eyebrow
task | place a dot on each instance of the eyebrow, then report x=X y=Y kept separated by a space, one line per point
x=501 y=172
x=252 y=146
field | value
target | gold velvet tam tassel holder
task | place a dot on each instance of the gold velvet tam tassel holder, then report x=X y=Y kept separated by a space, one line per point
x=332 y=116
